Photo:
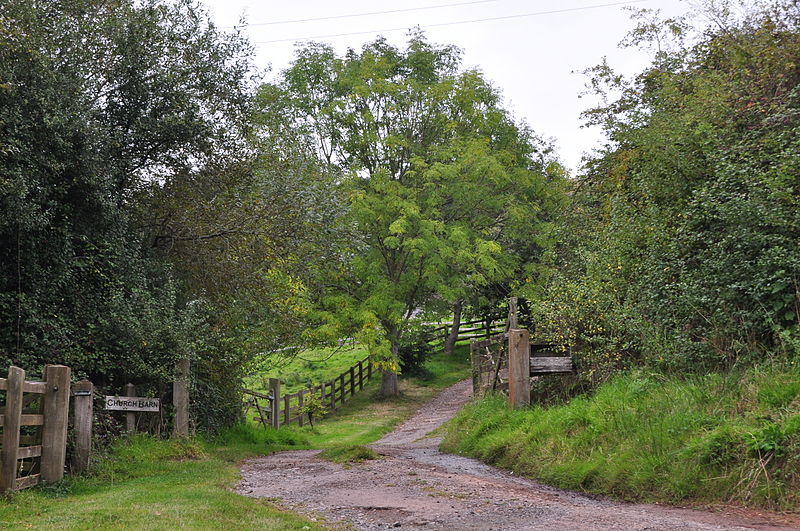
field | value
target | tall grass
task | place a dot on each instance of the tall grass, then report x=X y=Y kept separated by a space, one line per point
x=712 y=438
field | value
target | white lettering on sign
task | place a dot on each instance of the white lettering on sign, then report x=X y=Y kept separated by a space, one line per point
x=132 y=403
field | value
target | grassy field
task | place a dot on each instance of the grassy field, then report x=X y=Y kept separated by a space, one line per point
x=151 y=484
x=308 y=368
x=710 y=439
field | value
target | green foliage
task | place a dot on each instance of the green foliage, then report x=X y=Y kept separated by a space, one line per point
x=415 y=349
x=98 y=104
x=680 y=246
x=645 y=436
x=313 y=407
x=439 y=180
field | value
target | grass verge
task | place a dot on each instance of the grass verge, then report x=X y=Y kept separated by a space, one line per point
x=709 y=439
x=355 y=453
x=152 y=484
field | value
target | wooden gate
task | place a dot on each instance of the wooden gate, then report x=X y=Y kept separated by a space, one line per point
x=34 y=423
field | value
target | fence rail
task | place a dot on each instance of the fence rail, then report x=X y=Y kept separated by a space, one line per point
x=467 y=331
x=276 y=410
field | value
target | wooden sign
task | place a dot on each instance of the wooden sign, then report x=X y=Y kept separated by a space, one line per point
x=132 y=403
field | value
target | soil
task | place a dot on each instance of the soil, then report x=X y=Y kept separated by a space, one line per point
x=414 y=486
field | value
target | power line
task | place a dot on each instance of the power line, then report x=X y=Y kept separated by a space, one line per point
x=332 y=17
x=507 y=17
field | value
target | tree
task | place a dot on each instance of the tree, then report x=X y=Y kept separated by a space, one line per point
x=98 y=103
x=437 y=175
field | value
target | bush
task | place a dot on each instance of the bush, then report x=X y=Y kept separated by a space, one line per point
x=415 y=349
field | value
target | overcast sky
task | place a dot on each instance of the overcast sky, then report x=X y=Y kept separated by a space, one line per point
x=533 y=51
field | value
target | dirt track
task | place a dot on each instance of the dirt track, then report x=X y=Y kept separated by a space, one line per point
x=414 y=486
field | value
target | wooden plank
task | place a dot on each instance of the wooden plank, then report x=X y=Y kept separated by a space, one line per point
x=551 y=365
x=519 y=359
x=3 y=384
x=26 y=452
x=56 y=416
x=256 y=394
x=27 y=481
x=11 y=424
x=34 y=387
x=83 y=402
x=31 y=420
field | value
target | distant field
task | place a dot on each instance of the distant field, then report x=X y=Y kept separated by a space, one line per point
x=308 y=368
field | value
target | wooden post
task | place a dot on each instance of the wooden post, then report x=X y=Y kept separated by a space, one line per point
x=11 y=423
x=130 y=417
x=474 y=356
x=352 y=381
x=180 y=397
x=83 y=398
x=519 y=368
x=275 y=403
x=300 y=401
x=361 y=375
x=54 y=429
x=332 y=386
x=513 y=321
x=343 y=388
x=487 y=325
x=286 y=400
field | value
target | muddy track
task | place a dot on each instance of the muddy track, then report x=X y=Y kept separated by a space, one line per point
x=414 y=486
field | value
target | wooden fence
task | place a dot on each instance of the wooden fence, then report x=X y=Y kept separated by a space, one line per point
x=34 y=421
x=469 y=330
x=276 y=410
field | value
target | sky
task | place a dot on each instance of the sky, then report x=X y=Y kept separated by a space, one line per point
x=534 y=51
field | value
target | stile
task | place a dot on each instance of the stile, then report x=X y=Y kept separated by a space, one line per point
x=54 y=429
x=11 y=424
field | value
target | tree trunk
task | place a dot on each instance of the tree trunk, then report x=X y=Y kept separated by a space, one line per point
x=389 y=383
x=389 y=378
x=450 y=343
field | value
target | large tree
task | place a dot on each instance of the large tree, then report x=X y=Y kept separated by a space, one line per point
x=437 y=172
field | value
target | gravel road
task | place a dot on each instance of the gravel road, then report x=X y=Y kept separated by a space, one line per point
x=414 y=486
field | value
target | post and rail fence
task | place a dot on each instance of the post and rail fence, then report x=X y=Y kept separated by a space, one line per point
x=275 y=410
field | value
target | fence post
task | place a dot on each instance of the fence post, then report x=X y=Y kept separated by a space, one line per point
x=83 y=393
x=300 y=401
x=180 y=397
x=352 y=381
x=361 y=375
x=474 y=356
x=54 y=430
x=332 y=385
x=275 y=403
x=343 y=388
x=11 y=422
x=513 y=321
x=519 y=368
x=130 y=417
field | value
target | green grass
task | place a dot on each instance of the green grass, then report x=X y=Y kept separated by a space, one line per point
x=152 y=484
x=711 y=439
x=354 y=453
